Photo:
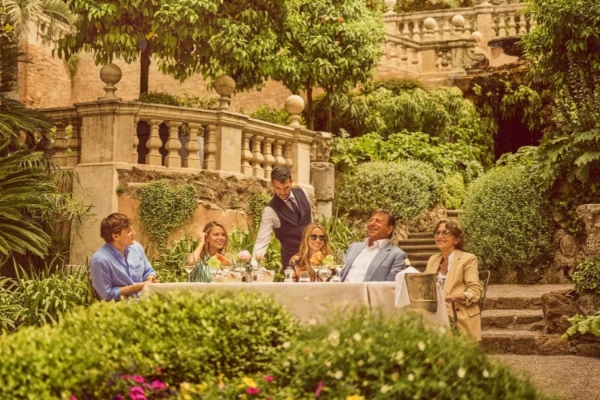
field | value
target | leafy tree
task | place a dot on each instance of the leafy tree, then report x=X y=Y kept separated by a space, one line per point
x=19 y=12
x=329 y=44
x=210 y=37
x=567 y=31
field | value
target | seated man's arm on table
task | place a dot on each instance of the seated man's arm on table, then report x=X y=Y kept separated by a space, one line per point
x=269 y=221
x=149 y=272
x=397 y=265
x=103 y=282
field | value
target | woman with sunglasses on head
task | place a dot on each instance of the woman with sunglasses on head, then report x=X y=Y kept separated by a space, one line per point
x=314 y=239
x=213 y=240
x=458 y=274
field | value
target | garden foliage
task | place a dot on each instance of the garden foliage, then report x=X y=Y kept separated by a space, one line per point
x=507 y=221
x=177 y=338
x=359 y=357
x=405 y=188
x=587 y=276
x=582 y=324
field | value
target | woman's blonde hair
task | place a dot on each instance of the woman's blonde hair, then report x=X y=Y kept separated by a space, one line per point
x=207 y=229
x=304 y=252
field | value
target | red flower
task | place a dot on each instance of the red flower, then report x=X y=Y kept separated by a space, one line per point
x=252 y=390
x=157 y=385
x=268 y=378
x=138 y=378
x=319 y=389
x=137 y=393
x=72 y=397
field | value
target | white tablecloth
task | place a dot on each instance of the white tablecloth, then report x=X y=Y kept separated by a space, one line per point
x=306 y=300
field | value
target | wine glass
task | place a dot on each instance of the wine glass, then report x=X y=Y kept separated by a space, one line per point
x=189 y=264
x=304 y=276
x=324 y=273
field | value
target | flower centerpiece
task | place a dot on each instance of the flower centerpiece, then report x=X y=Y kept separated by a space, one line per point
x=317 y=259
x=328 y=262
x=216 y=263
x=244 y=267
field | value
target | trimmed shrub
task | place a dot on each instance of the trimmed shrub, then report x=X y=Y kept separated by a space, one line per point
x=363 y=357
x=587 y=276
x=454 y=191
x=405 y=188
x=507 y=221
x=185 y=336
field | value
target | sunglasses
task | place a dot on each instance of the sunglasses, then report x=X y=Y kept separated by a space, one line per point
x=444 y=233
x=322 y=238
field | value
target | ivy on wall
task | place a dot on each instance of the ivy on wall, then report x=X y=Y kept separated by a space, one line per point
x=164 y=207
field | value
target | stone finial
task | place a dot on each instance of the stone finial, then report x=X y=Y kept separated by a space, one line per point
x=294 y=105
x=224 y=85
x=389 y=4
x=111 y=75
x=590 y=215
x=429 y=23
x=477 y=36
x=458 y=21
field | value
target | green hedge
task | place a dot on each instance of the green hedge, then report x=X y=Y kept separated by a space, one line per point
x=186 y=336
x=406 y=188
x=587 y=276
x=365 y=356
x=507 y=221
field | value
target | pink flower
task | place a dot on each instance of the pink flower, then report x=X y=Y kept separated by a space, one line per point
x=157 y=385
x=252 y=390
x=72 y=397
x=244 y=255
x=137 y=393
x=138 y=378
x=125 y=376
x=268 y=378
x=319 y=389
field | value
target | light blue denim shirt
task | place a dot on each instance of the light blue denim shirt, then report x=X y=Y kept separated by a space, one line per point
x=110 y=270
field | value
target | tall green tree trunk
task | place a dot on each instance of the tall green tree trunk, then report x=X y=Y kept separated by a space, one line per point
x=310 y=112
x=145 y=66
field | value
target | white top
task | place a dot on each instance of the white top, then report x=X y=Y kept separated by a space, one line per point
x=442 y=278
x=361 y=263
x=270 y=220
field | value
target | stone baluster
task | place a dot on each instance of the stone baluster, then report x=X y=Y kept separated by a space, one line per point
x=269 y=160
x=393 y=53
x=458 y=21
x=192 y=147
x=154 y=144
x=512 y=25
x=258 y=157
x=428 y=27
x=446 y=30
x=173 y=160
x=416 y=30
x=501 y=25
x=414 y=59
x=532 y=22
x=60 y=145
x=287 y=154
x=403 y=58
x=247 y=155
x=136 y=142
x=405 y=31
x=74 y=144
x=210 y=147
x=278 y=152
x=436 y=31
x=522 y=25
x=468 y=27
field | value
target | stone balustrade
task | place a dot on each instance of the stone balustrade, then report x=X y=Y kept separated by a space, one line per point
x=448 y=42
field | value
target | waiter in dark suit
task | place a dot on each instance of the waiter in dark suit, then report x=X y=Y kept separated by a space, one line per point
x=286 y=215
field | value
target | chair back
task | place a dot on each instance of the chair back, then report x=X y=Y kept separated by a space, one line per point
x=422 y=292
x=484 y=278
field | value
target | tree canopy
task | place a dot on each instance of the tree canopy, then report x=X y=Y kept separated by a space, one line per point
x=211 y=37
x=329 y=44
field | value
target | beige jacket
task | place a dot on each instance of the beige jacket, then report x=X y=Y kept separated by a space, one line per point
x=462 y=278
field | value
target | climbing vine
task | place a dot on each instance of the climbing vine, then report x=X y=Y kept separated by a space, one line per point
x=164 y=207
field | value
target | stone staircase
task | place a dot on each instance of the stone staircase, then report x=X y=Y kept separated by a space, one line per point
x=512 y=321
x=420 y=246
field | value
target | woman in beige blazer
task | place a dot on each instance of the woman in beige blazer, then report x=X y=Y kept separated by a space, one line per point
x=458 y=273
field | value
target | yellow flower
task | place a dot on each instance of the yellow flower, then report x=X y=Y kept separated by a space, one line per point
x=355 y=397
x=249 y=382
x=184 y=387
x=201 y=387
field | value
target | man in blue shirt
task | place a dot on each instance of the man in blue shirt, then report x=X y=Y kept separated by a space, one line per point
x=120 y=267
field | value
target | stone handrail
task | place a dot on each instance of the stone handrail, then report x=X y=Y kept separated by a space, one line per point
x=232 y=143
x=448 y=42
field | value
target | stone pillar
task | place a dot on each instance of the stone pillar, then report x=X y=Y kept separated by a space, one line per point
x=485 y=24
x=590 y=215
x=322 y=179
x=106 y=146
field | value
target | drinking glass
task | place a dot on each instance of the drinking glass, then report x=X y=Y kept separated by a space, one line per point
x=304 y=276
x=324 y=273
x=288 y=274
x=189 y=264
x=316 y=269
x=338 y=273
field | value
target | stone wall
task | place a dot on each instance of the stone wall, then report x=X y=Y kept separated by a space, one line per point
x=225 y=200
x=46 y=82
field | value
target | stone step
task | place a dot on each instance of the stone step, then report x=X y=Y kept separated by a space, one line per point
x=453 y=214
x=513 y=319
x=429 y=241
x=422 y=248
x=419 y=256
x=420 y=235
x=503 y=341
x=519 y=297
